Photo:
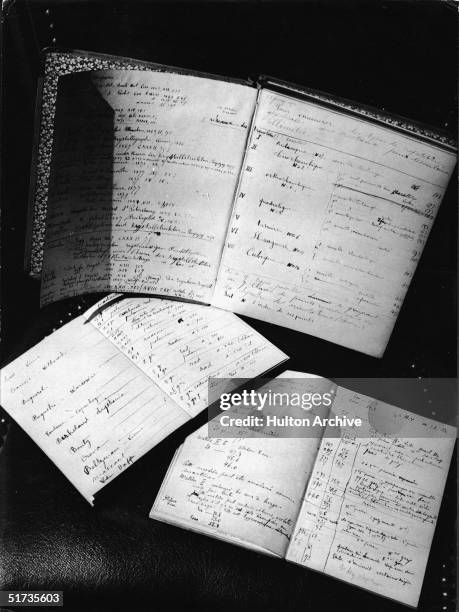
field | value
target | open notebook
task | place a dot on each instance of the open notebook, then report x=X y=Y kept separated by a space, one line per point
x=271 y=201
x=108 y=386
x=359 y=507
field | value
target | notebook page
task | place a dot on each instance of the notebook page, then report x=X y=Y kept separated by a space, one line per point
x=144 y=170
x=245 y=487
x=86 y=405
x=372 y=501
x=180 y=346
x=330 y=219
x=245 y=490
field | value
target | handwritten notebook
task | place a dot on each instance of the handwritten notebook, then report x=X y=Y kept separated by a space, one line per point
x=97 y=395
x=361 y=508
x=271 y=201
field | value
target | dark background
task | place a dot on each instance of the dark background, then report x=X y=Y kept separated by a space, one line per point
x=400 y=56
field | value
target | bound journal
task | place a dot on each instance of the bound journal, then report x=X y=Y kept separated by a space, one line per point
x=271 y=201
x=108 y=386
x=358 y=504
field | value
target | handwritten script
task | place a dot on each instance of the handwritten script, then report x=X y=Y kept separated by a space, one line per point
x=144 y=173
x=329 y=222
x=95 y=398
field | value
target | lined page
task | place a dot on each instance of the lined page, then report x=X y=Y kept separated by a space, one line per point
x=372 y=501
x=86 y=405
x=330 y=220
x=245 y=490
x=145 y=166
x=180 y=346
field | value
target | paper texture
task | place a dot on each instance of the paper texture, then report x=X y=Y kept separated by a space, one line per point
x=371 y=505
x=143 y=178
x=95 y=398
x=329 y=222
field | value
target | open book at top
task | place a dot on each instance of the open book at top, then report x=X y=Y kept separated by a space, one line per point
x=254 y=200
x=360 y=506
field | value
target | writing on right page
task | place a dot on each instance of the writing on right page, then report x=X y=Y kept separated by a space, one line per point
x=180 y=346
x=329 y=222
x=372 y=501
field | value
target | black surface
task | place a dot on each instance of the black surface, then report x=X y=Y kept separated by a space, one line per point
x=395 y=55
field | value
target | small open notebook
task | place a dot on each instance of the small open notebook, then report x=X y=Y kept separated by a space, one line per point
x=267 y=200
x=108 y=386
x=361 y=508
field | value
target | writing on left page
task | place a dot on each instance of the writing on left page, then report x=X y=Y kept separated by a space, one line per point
x=87 y=406
x=246 y=486
x=141 y=187
x=244 y=490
